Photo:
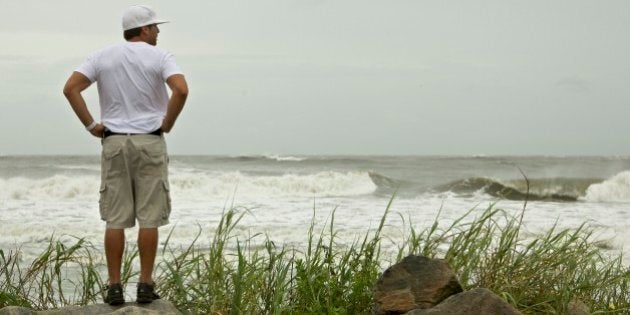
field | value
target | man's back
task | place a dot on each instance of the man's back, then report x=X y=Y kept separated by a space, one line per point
x=135 y=111
x=130 y=77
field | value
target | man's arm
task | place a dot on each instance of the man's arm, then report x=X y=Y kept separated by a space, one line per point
x=72 y=90
x=179 y=87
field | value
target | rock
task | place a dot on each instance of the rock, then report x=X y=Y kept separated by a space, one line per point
x=157 y=307
x=477 y=301
x=416 y=282
x=577 y=307
x=15 y=310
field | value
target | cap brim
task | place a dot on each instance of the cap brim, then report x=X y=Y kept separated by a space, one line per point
x=148 y=23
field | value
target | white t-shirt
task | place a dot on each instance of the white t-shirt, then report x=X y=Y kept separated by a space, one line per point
x=131 y=85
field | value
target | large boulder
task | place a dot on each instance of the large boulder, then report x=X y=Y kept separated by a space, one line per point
x=577 y=307
x=156 y=307
x=416 y=282
x=477 y=301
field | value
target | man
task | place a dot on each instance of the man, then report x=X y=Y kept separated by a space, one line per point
x=135 y=111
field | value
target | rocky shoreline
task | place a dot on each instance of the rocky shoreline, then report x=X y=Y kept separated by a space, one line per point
x=417 y=285
x=156 y=307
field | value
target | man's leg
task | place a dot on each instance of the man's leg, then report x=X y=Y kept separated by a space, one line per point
x=152 y=204
x=147 y=244
x=114 y=248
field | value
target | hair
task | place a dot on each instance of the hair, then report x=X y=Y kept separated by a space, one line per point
x=129 y=34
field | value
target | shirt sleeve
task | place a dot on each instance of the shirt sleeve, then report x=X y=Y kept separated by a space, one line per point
x=89 y=68
x=169 y=67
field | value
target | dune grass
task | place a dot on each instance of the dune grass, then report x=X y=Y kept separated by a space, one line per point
x=254 y=275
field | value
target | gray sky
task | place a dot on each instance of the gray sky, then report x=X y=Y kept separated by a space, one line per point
x=341 y=77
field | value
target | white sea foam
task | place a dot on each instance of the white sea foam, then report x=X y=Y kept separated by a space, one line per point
x=615 y=189
x=322 y=184
x=58 y=187
x=187 y=185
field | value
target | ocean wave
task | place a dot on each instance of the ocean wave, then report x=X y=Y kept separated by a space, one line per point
x=196 y=185
x=614 y=189
x=541 y=189
x=58 y=187
x=280 y=158
x=321 y=184
x=268 y=157
x=384 y=183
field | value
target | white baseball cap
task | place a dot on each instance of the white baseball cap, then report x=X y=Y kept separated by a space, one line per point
x=139 y=15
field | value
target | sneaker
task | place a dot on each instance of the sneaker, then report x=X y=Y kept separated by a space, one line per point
x=146 y=293
x=114 y=294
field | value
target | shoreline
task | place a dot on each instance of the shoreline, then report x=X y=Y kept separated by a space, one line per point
x=471 y=247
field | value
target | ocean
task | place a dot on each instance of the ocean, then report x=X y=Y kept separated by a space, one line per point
x=41 y=196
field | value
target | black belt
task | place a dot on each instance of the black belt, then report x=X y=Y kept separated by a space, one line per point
x=108 y=133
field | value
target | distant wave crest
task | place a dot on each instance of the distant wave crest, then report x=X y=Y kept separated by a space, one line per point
x=269 y=157
x=280 y=158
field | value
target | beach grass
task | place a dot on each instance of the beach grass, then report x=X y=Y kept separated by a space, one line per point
x=251 y=274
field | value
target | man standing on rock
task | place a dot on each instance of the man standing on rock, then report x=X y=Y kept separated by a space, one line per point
x=135 y=111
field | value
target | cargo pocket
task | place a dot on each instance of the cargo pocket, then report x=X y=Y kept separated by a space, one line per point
x=167 y=193
x=103 y=203
x=154 y=161
x=112 y=162
x=110 y=153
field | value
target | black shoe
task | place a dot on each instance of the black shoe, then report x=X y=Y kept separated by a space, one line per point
x=114 y=294
x=146 y=293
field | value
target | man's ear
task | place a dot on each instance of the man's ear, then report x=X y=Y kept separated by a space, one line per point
x=146 y=29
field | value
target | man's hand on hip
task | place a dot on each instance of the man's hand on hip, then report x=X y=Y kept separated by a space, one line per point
x=166 y=127
x=98 y=131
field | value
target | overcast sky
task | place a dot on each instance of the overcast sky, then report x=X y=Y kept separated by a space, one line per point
x=341 y=77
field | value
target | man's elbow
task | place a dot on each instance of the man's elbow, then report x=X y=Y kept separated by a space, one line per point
x=70 y=89
x=177 y=84
x=181 y=91
x=67 y=90
x=76 y=84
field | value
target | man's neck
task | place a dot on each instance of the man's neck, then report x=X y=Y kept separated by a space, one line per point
x=138 y=40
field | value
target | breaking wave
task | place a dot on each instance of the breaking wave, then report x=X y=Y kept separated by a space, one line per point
x=200 y=186
x=58 y=187
x=547 y=189
x=614 y=189
x=322 y=184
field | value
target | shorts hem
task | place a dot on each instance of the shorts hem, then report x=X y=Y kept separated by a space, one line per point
x=152 y=224
x=118 y=226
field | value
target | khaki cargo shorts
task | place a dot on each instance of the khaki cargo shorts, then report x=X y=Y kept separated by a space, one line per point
x=134 y=181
